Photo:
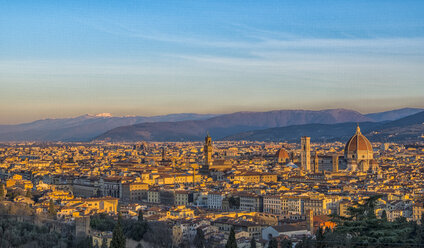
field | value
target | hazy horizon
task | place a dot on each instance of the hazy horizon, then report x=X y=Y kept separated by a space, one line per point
x=64 y=59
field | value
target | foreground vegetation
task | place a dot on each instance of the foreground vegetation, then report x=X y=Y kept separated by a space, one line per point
x=364 y=229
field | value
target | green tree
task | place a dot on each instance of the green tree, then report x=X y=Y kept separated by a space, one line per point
x=140 y=215
x=104 y=243
x=86 y=242
x=253 y=243
x=384 y=215
x=231 y=242
x=273 y=243
x=134 y=229
x=199 y=240
x=286 y=243
x=320 y=237
x=102 y=222
x=118 y=237
x=363 y=228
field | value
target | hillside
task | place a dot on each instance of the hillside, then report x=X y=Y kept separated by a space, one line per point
x=408 y=129
x=81 y=128
x=225 y=125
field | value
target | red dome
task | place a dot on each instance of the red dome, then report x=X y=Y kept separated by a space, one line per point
x=282 y=154
x=358 y=142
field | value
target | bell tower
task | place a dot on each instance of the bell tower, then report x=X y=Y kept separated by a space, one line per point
x=207 y=149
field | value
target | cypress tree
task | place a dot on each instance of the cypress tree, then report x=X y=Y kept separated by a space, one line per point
x=140 y=216
x=231 y=242
x=320 y=237
x=273 y=243
x=199 y=239
x=253 y=243
x=384 y=215
x=118 y=237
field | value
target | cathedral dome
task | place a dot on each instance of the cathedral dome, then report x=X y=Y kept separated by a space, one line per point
x=358 y=147
x=358 y=142
x=282 y=155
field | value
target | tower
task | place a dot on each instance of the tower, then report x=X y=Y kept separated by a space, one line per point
x=305 y=154
x=163 y=154
x=316 y=163
x=310 y=220
x=335 y=163
x=207 y=149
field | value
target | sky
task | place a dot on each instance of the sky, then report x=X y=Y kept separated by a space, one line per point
x=69 y=58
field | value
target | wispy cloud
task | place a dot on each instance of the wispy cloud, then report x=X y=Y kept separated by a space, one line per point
x=251 y=38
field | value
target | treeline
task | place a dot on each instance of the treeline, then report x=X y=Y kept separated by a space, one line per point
x=25 y=234
x=133 y=229
x=155 y=233
x=362 y=228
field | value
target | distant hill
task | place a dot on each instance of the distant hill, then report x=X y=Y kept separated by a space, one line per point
x=192 y=127
x=408 y=129
x=81 y=128
x=317 y=132
x=229 y=124
x=393 y=114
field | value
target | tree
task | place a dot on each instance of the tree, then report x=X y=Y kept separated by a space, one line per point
x=118 y=237
x=231 y=242
x=140 y=215
x=134 y=229
x=159 y=234
x=102 y=222
x=70 y=240
x=86 y=242
x=306 y=243
x=363 y=228
x=199 y=240
x=51 y=209
x=273 y=243
x=320 y=237
x=1 y=192
x=253 y=243
x=104 y=243
x=384 y=215
x=286 y=243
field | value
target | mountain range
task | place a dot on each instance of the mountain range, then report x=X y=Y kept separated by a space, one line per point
x=407 y=129
x=81 y=128
x=271 y=125
x=224 y=125
x=393 y=114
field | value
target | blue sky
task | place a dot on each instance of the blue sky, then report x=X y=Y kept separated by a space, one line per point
x=67 y=58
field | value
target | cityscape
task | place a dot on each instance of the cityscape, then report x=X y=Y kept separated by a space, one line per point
x=239 y=124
